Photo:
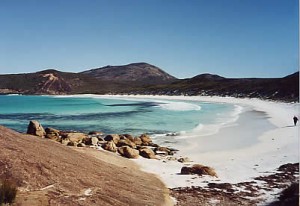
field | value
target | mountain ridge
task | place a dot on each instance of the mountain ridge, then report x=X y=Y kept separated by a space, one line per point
x=136 y=72
x=143 y=78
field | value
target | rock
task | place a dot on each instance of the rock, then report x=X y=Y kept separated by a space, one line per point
x=126 y=142
x=65 y=141
x=110 y=146
x=128 y=136
x=183 y=159
x=162 y=151
x=81 y=145
x=112 y=137
x=95 y=133
x=35 y=128
x=146 y=138
x=137 y=141
x=95 y=141
x=199 y=170
x=87 y=141
x=52 y=134
x=71 y=144
x=128 y=152
x=147 y=153
x=76 y=137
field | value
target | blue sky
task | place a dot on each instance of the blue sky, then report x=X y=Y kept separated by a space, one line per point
x=232 y=38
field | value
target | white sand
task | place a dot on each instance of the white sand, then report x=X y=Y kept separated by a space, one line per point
x=228 y=152
x=273 y=148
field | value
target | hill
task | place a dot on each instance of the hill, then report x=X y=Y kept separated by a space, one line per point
x=48 y=173
x=283 y=89
x=143 y=78
x=136 y=72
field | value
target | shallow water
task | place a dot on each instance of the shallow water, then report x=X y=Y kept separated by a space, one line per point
x=114 y=115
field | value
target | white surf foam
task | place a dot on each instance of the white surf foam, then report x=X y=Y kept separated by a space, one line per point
x=179 y=106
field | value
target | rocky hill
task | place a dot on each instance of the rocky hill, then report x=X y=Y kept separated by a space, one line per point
x=48 y=173
x=136 y=72
x=283 y=89
x=143 y=78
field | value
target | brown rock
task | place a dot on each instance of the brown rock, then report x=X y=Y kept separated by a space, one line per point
x=162 y=150
x=128 y=136
x=87 y=141
x=137 y=141
x=128 y=152
x=64 y=141
x=199 y=170
x=110 y=146
x=35 y=128
x=95 y=141
x=76 y=137
x=81 y=145
x=52 y=134
x=112 y=137
x=126 y=142
x=146 y=138
x=147 y=153
x=71 y=144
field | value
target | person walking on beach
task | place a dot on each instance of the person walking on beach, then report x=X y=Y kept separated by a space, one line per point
x=295 y=120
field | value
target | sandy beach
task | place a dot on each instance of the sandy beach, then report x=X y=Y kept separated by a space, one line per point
x=261 y=139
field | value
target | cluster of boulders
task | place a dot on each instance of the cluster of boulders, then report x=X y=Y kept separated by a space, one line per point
x=126 y=145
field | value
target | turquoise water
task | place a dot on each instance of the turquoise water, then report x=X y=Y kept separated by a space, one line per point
x=111 y=115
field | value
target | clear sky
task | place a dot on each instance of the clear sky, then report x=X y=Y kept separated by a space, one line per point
x=232 y=38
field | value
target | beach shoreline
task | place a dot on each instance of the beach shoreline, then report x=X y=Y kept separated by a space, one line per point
x=275 y=146
x=257 y=139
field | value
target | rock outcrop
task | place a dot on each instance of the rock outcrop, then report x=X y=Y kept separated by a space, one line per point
x=110 y=146
x=35 y=128
x=128 y=152
x=147 y=153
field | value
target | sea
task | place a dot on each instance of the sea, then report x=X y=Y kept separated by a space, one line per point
x=116 y=115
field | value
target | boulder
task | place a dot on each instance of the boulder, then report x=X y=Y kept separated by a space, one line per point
x=128 y=136
x=146 y=138
x=87 y=141
x=95 y=141
x=147 y=153
x=137 y=141
x=199 y=170
x=52 y=134
x=126 y=142
x=76 y=137
x=64 y=141
x=110 y=146
x=81 y=145
x=71 y=144
x=90 y=141
x=112 y=137
x=162 y=151
x=128 y=152
x=35 y=128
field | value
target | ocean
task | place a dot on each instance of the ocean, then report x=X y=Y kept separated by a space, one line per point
x=109 y=114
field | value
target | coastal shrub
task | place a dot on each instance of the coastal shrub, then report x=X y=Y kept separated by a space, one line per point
x=8 y=191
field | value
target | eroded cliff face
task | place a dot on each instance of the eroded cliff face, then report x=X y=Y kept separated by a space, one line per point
x=52 y=84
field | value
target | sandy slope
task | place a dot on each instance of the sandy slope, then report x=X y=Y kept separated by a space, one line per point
x=49 y=173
